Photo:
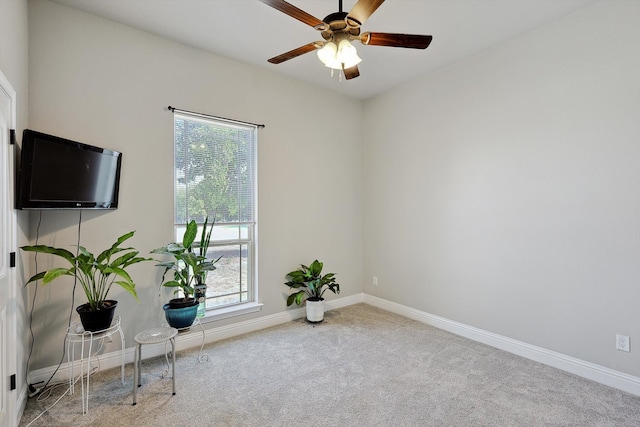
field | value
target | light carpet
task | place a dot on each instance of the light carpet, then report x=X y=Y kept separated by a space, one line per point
x=362 y=366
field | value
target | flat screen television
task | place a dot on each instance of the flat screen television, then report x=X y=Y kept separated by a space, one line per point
x=57 y=173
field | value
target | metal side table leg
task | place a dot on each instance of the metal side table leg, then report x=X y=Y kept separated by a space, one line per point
x=173 y=365
x=136 y=371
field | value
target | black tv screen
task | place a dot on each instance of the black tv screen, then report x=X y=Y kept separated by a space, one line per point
x=57 y=173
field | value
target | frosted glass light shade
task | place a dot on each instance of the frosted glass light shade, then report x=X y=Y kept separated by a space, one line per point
x=347 y=54
x=336 y=57
x=328 y=55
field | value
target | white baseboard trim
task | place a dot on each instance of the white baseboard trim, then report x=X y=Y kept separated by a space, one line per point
x=188 y=340
x=591 y=371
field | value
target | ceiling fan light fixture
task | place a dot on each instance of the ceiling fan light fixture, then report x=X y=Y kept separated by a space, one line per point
x=347 y=54
x=337 y=57
x=328 y=56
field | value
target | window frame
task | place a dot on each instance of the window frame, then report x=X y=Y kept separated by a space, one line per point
x=251 y=304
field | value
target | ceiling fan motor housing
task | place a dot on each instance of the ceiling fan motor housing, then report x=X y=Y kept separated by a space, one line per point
x=337 y=22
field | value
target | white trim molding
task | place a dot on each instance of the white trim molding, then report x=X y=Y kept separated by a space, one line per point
x=588 y=370
x=591 y=371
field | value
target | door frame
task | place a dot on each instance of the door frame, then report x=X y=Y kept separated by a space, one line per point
x=10 y=352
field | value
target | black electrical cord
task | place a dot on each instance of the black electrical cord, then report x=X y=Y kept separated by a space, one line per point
x=73 y=296
x=33 y=304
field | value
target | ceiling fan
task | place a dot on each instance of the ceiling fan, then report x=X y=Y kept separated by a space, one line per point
x=338 y=29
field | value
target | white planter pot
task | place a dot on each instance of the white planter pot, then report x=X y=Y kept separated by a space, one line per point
x=315 y=311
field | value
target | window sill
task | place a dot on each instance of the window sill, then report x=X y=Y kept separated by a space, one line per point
x=232 y=311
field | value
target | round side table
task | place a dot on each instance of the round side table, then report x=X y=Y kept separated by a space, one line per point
x=153 y=336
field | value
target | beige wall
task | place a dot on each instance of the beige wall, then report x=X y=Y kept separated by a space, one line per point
x=106 y=84
x=503 y=192
x=13 y=51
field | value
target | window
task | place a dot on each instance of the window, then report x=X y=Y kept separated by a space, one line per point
x=215 y=177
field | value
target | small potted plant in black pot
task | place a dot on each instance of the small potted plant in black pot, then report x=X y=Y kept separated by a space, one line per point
x=311 y=285
x=189 y=274
x=96 y=274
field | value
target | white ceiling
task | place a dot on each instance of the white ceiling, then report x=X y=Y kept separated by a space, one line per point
x=251 y=32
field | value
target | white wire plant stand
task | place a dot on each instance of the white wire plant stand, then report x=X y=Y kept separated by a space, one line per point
x=77 y=335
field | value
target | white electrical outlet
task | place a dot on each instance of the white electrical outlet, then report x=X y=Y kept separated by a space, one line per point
x=623 y=343
x=375 y=280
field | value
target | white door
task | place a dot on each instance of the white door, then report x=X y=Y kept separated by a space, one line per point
x=8 y=397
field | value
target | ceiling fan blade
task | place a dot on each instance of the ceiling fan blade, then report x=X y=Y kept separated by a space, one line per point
x=294 y=53
x=411 y=41
x=296 y=13
x=361 y=11
x=351 y=73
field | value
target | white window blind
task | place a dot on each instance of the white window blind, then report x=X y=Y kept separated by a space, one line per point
x=214 y=170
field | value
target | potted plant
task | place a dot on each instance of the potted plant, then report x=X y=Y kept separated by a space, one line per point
x=189 y=274
x=311 y=285
x=96 y=274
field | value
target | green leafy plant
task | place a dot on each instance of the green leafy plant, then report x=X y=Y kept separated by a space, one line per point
x=189 y=268
x=310 y=282
x=96 y=274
